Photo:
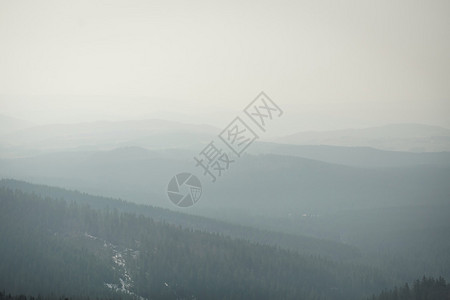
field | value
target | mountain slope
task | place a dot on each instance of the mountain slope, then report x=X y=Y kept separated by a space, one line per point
x=278 y=185
x=36 y=256
x=155 y=260
x=301 y=244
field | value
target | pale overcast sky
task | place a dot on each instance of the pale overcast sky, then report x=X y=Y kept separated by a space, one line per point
x=328 y=64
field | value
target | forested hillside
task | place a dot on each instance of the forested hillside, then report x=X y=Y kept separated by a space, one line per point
x=424 y=289
x=302 y=244
x=53 y=247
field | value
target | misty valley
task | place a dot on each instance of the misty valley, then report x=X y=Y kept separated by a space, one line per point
x=224 y=150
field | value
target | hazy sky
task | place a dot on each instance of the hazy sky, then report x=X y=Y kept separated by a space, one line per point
x=328 y=64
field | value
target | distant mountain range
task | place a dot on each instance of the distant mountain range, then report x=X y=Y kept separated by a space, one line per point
x=21 y=139
x=103 y=135
x=10 y=124
x=395 y=137
x=363 y=157
x=279 y=183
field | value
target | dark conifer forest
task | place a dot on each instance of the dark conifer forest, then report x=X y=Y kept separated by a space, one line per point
x=56 y=247
x=58 y=243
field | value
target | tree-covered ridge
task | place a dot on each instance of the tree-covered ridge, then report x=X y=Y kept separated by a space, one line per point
x=424 y=289
x=37 y=256
x=53 y=247
x=303 y=244
x=5 y=296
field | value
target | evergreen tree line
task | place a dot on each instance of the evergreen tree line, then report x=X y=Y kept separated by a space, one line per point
x=428 y=288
